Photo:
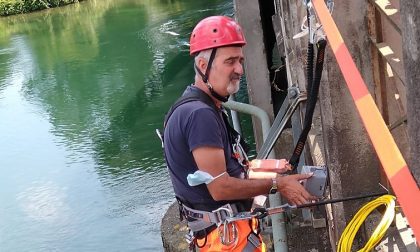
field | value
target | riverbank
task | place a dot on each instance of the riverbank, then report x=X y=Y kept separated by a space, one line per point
x=13 y=7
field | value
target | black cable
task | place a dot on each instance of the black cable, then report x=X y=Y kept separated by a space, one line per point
x=310 y=58
x=310 y=105
x=341 y=200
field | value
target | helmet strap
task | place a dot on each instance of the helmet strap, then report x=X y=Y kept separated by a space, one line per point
x=205 y=78
x=216 y=95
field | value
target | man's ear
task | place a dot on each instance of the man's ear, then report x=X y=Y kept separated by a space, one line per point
x=202 y=64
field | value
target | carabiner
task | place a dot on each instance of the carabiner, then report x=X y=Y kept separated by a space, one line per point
x=228 y=237
x=260 y=212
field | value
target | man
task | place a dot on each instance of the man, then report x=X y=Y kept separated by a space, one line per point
x=202 y=151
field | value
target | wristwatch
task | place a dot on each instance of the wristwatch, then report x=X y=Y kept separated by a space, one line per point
x=273 y=188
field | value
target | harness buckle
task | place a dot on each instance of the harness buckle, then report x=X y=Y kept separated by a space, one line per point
x=222 y=213
x=228 y=237
x=254 y=240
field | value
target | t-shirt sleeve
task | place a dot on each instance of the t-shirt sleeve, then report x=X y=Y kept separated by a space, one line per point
x=203 y=129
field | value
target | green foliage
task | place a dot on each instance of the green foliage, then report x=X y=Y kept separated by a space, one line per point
x=11 y=7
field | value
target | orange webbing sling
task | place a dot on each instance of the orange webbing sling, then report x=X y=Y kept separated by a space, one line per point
x=213 y=243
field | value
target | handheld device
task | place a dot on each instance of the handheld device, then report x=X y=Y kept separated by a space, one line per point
x=315 y=185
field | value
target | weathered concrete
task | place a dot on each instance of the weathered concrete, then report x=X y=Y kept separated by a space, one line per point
x=352 y=163
x=247 y=13
x=173 y=230
x=411 y=49
x=348 y=152
x=303 y=236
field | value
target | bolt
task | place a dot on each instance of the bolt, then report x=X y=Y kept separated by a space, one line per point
x=292 y=93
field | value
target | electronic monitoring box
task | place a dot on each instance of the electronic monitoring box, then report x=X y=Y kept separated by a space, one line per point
x=315 y=185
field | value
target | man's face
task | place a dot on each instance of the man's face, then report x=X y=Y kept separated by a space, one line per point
x=227 y=70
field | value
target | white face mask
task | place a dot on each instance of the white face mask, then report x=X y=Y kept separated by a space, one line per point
x=233 y=87
x=201 y=177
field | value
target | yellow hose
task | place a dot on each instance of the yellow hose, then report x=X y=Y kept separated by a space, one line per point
x=346 y=239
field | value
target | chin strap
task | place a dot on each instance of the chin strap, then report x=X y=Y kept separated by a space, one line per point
x=216 y=95
x=205 y=78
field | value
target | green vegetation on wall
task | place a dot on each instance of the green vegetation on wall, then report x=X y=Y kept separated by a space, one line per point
x=11 y=7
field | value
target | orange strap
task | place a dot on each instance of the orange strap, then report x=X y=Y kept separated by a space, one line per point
x=395 y=167
x=212 y=243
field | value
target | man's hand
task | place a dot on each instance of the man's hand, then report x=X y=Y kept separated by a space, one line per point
x=291 y=189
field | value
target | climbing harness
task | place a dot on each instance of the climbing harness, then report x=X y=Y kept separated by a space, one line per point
x=223 y=219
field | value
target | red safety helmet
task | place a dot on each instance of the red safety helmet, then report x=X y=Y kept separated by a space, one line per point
x=216 y=31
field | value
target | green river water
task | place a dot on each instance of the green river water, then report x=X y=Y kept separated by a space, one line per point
x=82 y=89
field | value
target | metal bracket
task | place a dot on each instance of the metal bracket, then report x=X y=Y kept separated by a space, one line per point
x=315 y=32
x=283 y=116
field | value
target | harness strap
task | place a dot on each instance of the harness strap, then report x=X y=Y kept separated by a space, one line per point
x=194 y=95
x=205 y=219
x=253 y=243
x=234 y=135
x=199 y=225
x=199 y=95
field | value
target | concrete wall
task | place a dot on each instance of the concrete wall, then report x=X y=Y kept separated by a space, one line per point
x=247 y=13
x=348 y=152
x=411 y=46
x=352 y=163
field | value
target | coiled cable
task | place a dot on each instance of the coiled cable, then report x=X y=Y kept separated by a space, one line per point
x=346 y=240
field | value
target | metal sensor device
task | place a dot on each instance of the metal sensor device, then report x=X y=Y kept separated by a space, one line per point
x=315 y=185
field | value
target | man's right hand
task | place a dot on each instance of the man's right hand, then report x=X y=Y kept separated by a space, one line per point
x=291 y=189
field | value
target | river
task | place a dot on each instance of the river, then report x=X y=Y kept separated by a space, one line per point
x=82 y=90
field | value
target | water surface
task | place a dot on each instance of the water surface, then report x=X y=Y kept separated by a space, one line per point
x=82 y=89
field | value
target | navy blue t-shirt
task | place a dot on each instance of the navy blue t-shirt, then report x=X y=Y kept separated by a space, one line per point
x=193 y=125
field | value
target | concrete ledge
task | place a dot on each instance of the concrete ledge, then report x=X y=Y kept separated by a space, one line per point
x=173 y=230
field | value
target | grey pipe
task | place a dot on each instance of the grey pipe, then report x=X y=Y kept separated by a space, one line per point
x=277 y=220
x=235 y=117
x=251 y=110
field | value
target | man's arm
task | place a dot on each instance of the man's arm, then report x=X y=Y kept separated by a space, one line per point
x=212 y=161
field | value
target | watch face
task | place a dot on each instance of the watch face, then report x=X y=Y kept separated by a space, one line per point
x=273 y=190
